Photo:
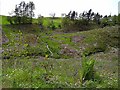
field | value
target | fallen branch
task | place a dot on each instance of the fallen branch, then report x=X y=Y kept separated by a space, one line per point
x=49 y=50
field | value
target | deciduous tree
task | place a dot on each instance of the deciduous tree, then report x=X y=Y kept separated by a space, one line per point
x=23 y=13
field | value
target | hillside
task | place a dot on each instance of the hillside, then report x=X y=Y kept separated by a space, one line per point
x=52 y=58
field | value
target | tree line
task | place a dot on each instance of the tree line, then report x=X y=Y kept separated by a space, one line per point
x=88 y=20
x=24 y=12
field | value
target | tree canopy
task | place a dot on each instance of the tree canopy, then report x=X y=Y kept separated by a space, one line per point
x=23 y=13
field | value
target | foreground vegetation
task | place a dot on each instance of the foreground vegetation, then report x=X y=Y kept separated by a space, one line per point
x=59 y=73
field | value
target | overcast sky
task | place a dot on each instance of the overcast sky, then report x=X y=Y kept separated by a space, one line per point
x=45 y=7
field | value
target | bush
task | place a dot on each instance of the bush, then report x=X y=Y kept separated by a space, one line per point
x=40 y=21
x=70 y=25
x=66 y=24
x=51 y=24
x=87 y=69
x=9 y=19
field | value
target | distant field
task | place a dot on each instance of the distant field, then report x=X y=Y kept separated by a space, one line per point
x=3 y=20
x=46 y=21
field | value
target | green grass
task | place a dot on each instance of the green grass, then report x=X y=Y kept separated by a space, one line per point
x=95 y=41
x=53 y=73
x=27 y=63
x=46 y=21
x=3 y=20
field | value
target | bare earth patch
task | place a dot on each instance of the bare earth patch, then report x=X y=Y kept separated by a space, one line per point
x=4 y=39
x=67 y=50
x=77 y=39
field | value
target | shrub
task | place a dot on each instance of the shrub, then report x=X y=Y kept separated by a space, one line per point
x=66 y=24
x=87 y=69
x=40 y=21
x=9 y=19
x=100 y=47
x=51 y=24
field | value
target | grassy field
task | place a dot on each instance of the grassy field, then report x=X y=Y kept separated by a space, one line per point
x=46 y=21
x=3 y=20
x=28 y=63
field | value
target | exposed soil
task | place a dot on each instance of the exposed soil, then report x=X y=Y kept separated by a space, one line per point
x=77 y=39
x=4 y=38
x=67 y=50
